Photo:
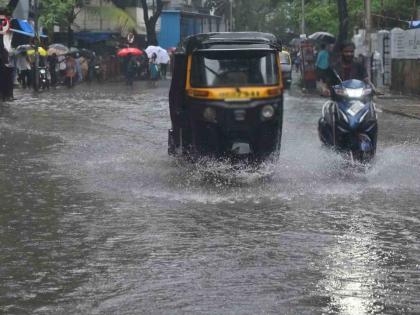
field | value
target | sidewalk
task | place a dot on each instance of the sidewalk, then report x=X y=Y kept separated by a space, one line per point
x=404 y=105
x=408 y=106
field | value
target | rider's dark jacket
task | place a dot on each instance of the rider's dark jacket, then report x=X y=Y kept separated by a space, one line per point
x=354 y=70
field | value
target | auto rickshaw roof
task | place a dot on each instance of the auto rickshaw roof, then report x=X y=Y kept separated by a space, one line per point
x=230 y=40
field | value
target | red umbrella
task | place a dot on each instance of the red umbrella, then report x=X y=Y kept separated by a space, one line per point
x=129 y=51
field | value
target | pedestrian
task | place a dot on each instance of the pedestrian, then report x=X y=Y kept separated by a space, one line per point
x=297 y=62
x=62 y=68
x=70 y=71
x=24 y=69
x=322 y=64
x=52 y=63
x=131 y=69
x=6 y=75
x=79 y=75
x=91 y=66
x=154 y=69
x=163 y=69
x=143 y=71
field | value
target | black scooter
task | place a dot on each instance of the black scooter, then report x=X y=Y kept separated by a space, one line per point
x=348 y=122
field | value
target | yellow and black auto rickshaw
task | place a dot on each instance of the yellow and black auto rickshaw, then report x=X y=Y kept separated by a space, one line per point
x=226 y=96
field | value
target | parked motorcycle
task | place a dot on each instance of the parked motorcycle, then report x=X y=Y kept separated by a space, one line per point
x=44 y=78
x=98 y=72
x=349 y=122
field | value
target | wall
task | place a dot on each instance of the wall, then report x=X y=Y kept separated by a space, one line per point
x=400 y=50
x=169 y=36
x=22 y=10
x=405 y=53
x=176 y=25
x=406 y=76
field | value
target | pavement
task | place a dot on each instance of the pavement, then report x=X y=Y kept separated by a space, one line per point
x=403 y=105
x=388 y=102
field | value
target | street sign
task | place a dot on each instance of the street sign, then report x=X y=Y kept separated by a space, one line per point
x=4 y=24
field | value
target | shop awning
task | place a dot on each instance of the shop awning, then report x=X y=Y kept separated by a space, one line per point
x=93 y=37
x=23 y=27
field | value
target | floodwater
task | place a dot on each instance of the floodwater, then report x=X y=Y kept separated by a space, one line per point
x=96 y=218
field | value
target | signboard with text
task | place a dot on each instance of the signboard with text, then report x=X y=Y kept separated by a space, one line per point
x=405 y=44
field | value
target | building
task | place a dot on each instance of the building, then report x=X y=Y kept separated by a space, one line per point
x=176 y=24
x=178 y=20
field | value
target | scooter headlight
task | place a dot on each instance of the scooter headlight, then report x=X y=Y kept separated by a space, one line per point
x=267 y=112
x=352 y=93
x=355 y=93
x=209 y=114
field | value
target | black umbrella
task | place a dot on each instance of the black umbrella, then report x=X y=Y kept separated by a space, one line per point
x=324 y=37
x=86 y=53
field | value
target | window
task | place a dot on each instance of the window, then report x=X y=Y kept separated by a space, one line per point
x=234 y=68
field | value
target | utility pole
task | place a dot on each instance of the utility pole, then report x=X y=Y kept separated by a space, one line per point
x=231 y=15
x=100 y=16
x=368 y=39
x=36 y=38
x=302 y=27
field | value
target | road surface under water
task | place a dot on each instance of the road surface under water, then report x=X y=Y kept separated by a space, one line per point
x=96 y=218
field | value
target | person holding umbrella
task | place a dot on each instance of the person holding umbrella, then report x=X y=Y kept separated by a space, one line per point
x=131 y=69
x=70 y=70
x=23 y=66
x=6 y=75
x=322 y=64
x=154 y=69
x=130 y=63
x=52 y=65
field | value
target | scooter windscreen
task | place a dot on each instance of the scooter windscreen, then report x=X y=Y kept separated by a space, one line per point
x=352 y=89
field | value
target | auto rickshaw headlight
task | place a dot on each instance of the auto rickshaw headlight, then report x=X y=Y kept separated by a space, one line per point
x=267 y=112
x=209 y=114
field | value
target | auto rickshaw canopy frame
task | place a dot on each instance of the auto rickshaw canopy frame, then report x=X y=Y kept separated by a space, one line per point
x=229 y=40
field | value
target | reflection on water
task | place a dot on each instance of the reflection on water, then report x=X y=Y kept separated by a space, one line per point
x=96 y=218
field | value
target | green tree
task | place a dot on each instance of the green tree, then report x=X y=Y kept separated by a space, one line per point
x=8 y=6
x=339 y=17
x=64 y=12
x=150 y=21
x=59 y=12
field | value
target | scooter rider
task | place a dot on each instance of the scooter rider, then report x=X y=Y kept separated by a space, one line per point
x=347 y=68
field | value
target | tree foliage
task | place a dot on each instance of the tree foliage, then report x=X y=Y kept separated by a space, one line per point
x=58 y=12
x=282 y=17
x=8 y=6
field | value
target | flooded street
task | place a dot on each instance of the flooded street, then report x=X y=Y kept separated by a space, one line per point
x=96 y=218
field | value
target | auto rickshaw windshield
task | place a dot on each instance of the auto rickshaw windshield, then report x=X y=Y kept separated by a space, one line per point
x=223 y=68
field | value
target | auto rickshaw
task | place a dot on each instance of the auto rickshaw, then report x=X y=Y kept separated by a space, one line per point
x=226 y=96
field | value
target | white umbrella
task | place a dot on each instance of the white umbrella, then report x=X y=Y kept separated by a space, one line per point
x=162 y=54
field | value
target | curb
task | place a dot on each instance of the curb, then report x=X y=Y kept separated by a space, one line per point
x=390 y=111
